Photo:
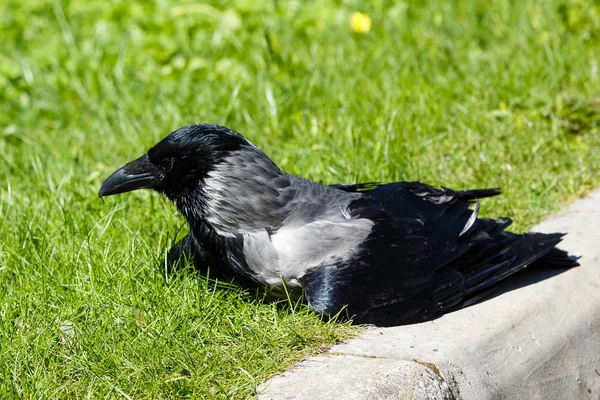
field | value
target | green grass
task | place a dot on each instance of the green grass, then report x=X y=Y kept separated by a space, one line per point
x=462 y=94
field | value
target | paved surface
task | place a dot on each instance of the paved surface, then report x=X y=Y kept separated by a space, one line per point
x=539 y=338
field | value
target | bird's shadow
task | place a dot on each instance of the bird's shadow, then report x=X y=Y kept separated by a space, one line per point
x=526 y=277
x=523 y=278
x=185 y=267
x=519 y=280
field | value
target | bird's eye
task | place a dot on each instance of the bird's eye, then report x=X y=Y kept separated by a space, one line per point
x=166 y=164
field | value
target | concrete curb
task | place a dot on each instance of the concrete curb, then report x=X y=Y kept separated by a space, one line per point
x=538 y=338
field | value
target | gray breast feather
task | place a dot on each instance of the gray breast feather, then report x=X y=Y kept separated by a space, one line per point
x=292 y=251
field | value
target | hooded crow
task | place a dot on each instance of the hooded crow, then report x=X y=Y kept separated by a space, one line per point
x=386 y=254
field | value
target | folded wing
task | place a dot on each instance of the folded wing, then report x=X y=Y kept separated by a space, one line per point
x=427 y=254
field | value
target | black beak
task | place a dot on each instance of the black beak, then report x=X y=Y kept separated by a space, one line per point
x=138 y=174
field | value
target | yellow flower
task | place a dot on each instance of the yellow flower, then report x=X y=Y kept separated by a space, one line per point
x=361 y=23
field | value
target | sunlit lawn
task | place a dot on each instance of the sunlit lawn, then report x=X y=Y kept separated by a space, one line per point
x=461 y=94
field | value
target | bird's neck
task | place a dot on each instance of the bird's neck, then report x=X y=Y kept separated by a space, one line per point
x=241 y=194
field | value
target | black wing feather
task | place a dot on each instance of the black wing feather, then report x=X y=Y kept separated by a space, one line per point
x=421 y=189
x=415 y=265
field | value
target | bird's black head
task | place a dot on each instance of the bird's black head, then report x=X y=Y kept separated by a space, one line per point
x=179 y=162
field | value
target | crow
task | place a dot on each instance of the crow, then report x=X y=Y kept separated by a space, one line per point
x=383 y=254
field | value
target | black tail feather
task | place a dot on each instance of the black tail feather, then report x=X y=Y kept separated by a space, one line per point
x=531 y=249
x=475 y=193
x=556 y=258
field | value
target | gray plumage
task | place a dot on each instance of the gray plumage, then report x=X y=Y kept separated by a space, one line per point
x=288 y=224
